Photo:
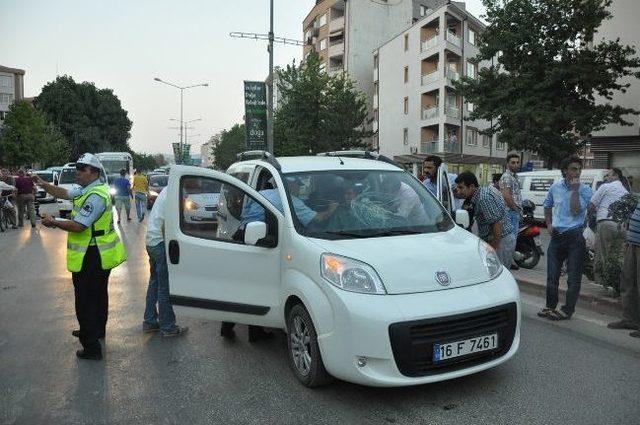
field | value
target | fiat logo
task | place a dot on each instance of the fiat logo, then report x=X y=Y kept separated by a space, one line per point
x=443 y=278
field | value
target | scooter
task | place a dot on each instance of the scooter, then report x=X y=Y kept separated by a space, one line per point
x=528 y=246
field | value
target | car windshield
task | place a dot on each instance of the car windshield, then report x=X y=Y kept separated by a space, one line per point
x=363 y=203
x=192 y=186
x=160 y=181
x=46 y=176
x=114 y=166
x=67 y=176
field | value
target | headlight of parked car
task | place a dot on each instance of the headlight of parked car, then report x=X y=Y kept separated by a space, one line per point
x=351 y=275
x=112 y=191
x=490 y=259
x=190 y=205
x=153 y=193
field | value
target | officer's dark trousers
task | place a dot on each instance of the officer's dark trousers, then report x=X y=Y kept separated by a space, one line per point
x=92 y=301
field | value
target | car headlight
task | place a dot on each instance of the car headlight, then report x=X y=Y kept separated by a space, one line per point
x=153 y=193
x=351 y=275
x=490 y=259
x=112 y=191
x=190 y=205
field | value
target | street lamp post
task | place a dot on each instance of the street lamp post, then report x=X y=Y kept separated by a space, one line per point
x=182 y=89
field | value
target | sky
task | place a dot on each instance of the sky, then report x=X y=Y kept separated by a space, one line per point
x=123 y=45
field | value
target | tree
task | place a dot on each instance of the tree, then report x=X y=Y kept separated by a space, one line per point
x=227 y=145
x=318 y=112
x=145 y=162
x=91 y=119
x=28 y=138
x=550 y=79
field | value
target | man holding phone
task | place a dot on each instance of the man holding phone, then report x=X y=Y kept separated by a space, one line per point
x=565 y=209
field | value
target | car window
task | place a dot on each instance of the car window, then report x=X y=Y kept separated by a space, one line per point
x=212 y=209
x=160 y=181
x=48 y=177
x=336 y=204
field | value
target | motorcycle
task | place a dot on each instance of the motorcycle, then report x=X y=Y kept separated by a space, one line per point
x=528 y=246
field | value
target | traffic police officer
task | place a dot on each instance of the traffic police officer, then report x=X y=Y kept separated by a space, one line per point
x=93 y=249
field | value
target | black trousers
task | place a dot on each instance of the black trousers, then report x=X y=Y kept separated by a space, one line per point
x=92 y=300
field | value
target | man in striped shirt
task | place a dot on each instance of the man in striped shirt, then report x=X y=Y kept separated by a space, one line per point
x=630 y=279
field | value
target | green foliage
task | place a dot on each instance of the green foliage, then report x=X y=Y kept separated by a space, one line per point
x=318 y=112
x=91 y=119
x=227 y=145
x=541 y=92
x=28 y=138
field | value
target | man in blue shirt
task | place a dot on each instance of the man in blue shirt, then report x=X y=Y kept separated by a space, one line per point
x=565 y=209
x=123 y=195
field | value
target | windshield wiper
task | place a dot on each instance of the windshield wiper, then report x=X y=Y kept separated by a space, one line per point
x=397 y=232
x=349 y=234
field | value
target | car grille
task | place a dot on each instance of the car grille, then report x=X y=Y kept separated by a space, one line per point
x=412 y=342
x=210 y=208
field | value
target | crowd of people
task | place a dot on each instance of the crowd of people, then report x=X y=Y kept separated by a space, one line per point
x=18 y=197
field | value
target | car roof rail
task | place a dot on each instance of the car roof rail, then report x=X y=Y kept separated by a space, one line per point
x=362 y=155
x=258 y=154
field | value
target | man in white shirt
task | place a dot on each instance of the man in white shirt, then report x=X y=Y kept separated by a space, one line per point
x=607 y=231
x=158 y=314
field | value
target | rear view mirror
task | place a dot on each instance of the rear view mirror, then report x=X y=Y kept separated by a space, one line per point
x=254 y=231
x=462 y=218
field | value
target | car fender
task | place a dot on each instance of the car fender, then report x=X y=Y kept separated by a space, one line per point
x=296 y=283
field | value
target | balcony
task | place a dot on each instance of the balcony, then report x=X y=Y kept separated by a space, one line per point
x=430 y=113
x=336 y=25
x=430 y=77
x=452 y=112
x=453 y=39
x=429 y=146
x=336 y=49
x=451 y=146
x=452 y=75
x=428 y=44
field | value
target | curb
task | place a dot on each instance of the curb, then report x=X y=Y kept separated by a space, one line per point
x=597 y=303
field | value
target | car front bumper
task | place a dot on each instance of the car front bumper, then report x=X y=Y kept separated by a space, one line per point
x=386 y=340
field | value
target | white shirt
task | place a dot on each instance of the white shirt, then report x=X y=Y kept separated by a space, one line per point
x=409 y=205
x=606 y=195
x=155 y=225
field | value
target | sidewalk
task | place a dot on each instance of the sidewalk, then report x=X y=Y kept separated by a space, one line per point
x=592 y=296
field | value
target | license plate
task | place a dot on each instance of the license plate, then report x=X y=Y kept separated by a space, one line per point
x=464 y=347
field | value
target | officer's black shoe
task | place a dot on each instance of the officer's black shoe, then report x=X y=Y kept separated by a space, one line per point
x=257 y=333
x=82 y=354
x=76 y=333
x=226 y=330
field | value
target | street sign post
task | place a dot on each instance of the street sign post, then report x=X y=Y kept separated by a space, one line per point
x=255 y=113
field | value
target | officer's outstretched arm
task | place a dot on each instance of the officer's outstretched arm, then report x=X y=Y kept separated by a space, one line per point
x=57 y=191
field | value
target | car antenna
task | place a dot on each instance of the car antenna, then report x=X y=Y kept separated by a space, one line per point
x=340 y=159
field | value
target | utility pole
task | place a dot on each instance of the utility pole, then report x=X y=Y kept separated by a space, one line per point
x=271 y=38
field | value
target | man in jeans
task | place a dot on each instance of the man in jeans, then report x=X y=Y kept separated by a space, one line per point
x=26 y=198
x=140 y=190
x=512 y=193
x=123 y=195
x=630 y=279
x=564 y=210
x=490 y=215
x=160 y=318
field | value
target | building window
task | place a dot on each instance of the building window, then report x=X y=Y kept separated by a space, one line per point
x=406 y=74
x=500 y=145
x=6 y=98
x=406 y=105
x=472 y=137
x=406 y=42
x=486 y=141
x=472 y=37
x=405 y=136
x=323 y=20
x=424 y=10
x=472 y=70
x=6 y=81
x=323 y=44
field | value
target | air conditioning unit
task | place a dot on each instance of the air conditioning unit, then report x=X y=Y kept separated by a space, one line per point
x=413 y=149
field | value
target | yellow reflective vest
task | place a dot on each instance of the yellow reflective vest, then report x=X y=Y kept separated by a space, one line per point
x=112 y=252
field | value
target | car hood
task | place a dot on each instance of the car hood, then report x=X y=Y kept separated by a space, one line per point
x=412 y=263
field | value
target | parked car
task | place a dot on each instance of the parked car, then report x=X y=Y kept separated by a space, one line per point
x=157 y=182
x=368 y=288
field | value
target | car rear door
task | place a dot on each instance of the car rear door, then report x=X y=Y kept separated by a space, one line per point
x=214 y=274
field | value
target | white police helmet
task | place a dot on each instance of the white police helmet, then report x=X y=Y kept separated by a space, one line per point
x=89 y=159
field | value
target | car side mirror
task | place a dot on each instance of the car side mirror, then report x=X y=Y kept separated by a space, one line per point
x=462 y=218
x=254 y=231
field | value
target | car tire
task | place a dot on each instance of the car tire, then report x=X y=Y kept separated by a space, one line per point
x=305 y=359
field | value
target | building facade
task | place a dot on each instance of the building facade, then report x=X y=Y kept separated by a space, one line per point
x=11 y=88
x=616 y=145
x=416 y=111
x=206 y=154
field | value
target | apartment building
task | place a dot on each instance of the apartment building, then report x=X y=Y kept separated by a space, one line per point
x=11 y=88
x=416 y=110
x=616 y=145
x=345 y=33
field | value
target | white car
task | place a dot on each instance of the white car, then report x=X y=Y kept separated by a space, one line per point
x=361 y=266
x=200 y=201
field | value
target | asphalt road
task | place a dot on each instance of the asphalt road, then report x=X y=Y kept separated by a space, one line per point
x=576 y=372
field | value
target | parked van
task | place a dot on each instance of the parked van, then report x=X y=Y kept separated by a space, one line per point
x=362 y=267
x=536 y=184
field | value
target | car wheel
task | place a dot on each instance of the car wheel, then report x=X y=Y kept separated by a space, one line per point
x=304 y=353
